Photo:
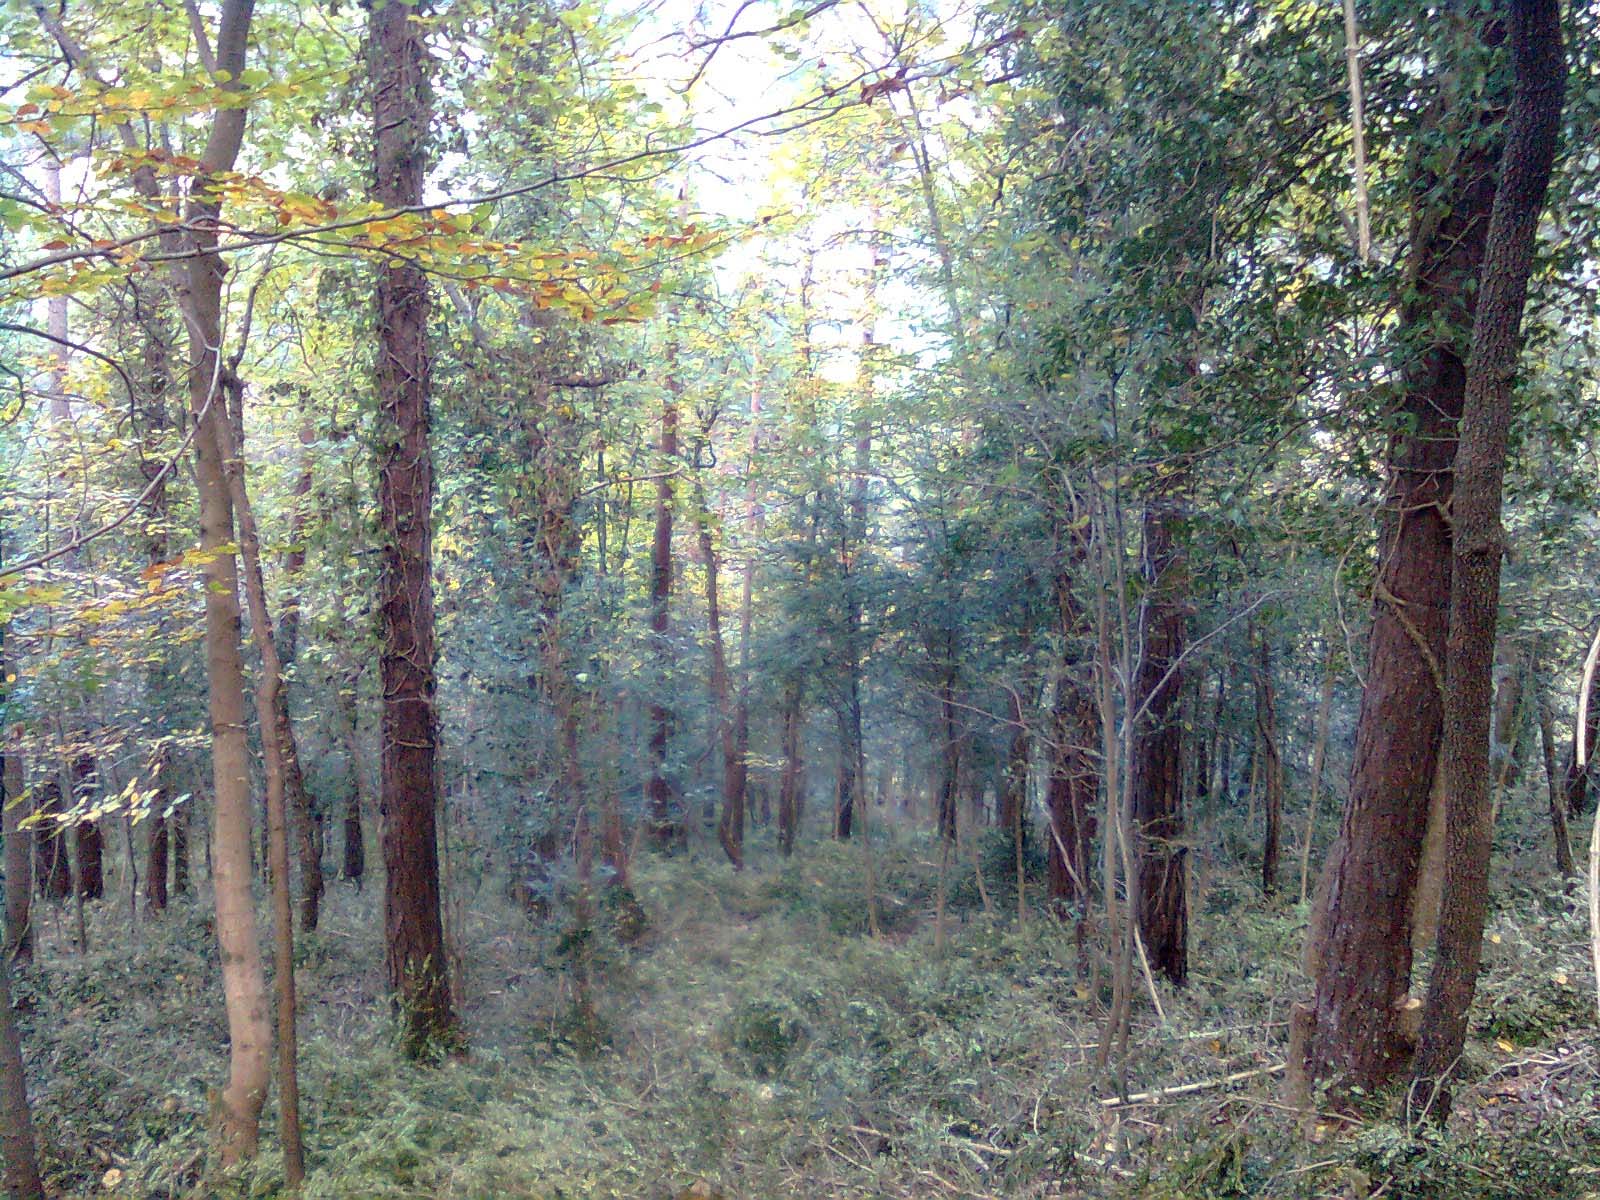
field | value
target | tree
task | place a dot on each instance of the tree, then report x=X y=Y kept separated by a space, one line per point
x=1532 y=131
x=1359 y=948
x=414 y=951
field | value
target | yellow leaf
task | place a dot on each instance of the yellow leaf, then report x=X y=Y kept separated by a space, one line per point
x=1506 y=1044
x=110 y=1179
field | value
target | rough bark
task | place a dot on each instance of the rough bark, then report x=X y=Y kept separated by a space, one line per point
x=1530 y=148
x=791 y=783
x=1157 y=760
x=1271 y=767
x=730 y=823
x=21 y=1176
x=667 y=827
x=89 y=842
x=1359 y=946
x=414 y=951
x=52 y=872
x=1565 y=867
x=18 y=847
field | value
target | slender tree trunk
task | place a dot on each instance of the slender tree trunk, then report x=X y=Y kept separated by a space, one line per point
x=1575 y=782
x=1531 y=136
x=18 y=842
x=1359 y=946
x=1271 y=767
x=1157 y=762
x=950 y=745
x=736 y=781
x=307 y=822
x=1565 y=867
x=272 y=719
x=667 y=826
x=178 y=828
x=408 y=797
x=730 y=825
x=1319 y=756
x=791 y=784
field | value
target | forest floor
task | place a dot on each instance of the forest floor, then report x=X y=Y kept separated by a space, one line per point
x=754 y=1040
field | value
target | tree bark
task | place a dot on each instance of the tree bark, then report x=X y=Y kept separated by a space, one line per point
x=791 y=783
x=667 y=827
x=1271 y=768
x=1532 y=133
x=730 y=823
x=272 y=719
x=1565 y=867
x=1157 y=764
x=18 y=842
x=1359 y=946
x=1575 y=783
x=22 y=1180
x=408 y=799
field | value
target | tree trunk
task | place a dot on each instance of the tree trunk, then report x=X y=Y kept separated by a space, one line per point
x=1157 y=764
x=272 y=719
x=1271 y=768
x=157 y=843
x=408 y=800
x=307 y=822
x=667 y=827
x=791 y=784
x=1530 y=148
x=1558 y=805
x=90 y=841
x=949 y=745
x=22 y=1181
x=178 y=827
x=18 y=842
x=730 y=824
x=1359 y=945
x=1575 y=783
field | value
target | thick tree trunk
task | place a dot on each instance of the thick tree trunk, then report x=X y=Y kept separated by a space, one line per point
x=1530 y=148
x=408 y=800
x=22 y=1181
x=52 y=872
x=90 y=842
x=1359 y=945
x=1157 y=764
x=1071 y=794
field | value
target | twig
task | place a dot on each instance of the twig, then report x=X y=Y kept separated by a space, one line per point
x=1188 y=1089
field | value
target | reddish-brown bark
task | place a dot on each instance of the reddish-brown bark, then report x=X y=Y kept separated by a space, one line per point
x=1157 y=763
x=1359 y=947
x=408 y=801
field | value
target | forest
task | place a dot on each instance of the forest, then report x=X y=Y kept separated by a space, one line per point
x=695 y=600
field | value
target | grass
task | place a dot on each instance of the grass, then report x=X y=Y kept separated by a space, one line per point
x=754 y=1041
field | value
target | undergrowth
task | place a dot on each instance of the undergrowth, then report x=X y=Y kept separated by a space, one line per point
x=749 y=1038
